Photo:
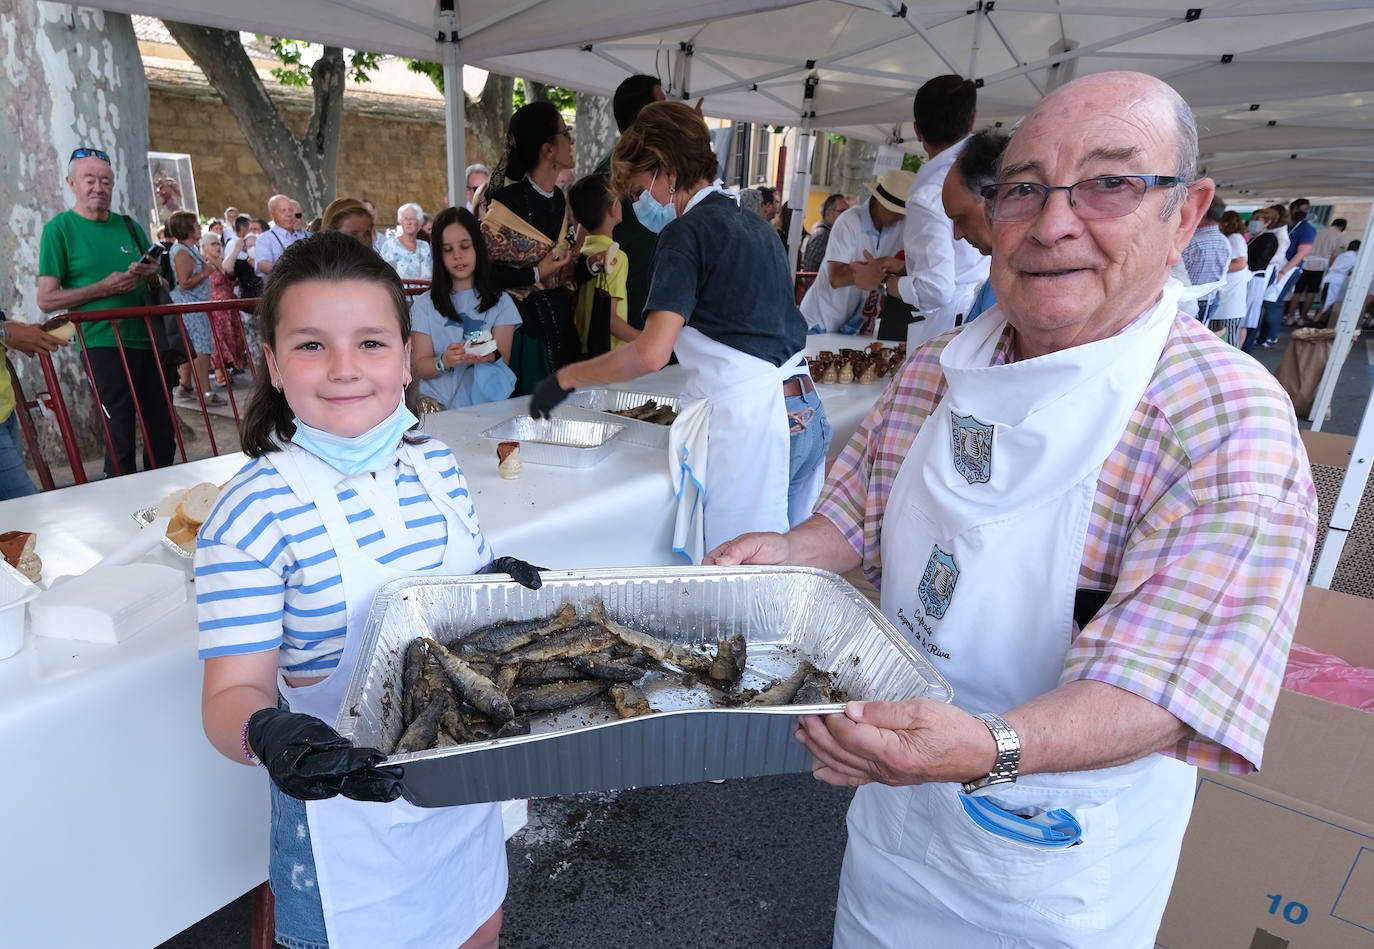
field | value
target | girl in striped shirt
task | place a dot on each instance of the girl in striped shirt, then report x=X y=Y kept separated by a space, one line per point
x=336 y=499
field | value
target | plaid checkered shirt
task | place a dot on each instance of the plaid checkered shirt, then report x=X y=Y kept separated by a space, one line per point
x=1202 y=528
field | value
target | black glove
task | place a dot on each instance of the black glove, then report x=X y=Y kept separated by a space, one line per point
x=525 y=574
x=547 y=394
x=311 y=761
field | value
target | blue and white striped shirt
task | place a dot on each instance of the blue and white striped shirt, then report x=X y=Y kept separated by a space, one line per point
x=267 y=576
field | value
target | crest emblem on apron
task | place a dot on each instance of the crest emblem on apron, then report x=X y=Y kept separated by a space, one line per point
x=972 y=445
x=937 y=586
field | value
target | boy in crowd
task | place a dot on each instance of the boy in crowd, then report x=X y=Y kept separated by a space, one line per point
x=602 y=297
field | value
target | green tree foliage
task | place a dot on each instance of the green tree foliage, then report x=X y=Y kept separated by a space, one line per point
x=528 y=91
x=294 y=71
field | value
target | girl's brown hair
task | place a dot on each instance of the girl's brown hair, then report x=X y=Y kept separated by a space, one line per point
x=1231 y=223
x=328 y=257
x=665 y=137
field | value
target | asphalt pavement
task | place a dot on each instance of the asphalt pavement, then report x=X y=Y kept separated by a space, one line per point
x=737 y=865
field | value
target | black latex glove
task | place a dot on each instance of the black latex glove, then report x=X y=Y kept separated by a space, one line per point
x=311 y=761
x=547 y=394
x=525 y=574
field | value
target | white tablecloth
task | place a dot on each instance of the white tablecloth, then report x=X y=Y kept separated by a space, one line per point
x=122 y=825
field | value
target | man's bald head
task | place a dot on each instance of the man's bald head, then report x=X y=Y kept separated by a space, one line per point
x=1143 y=96
x=1072 y=271
x=280 y=211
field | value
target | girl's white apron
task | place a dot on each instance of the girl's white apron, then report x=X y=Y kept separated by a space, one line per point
x=981 y=546
x=392 y=874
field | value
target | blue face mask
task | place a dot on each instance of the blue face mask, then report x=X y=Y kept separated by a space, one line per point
x=373 y=450
x=1254 y=227
x=650 y=213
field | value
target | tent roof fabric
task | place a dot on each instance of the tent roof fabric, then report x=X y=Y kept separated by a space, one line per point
x=1284 y=98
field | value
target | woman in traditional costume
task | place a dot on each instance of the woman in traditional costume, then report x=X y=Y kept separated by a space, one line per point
x=530 y=237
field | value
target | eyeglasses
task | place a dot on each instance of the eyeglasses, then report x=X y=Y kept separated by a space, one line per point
x=90 y=153
x=1093 y=199
x=563 y=131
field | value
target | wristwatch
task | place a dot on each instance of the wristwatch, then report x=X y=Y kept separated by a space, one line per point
x=1008 y=764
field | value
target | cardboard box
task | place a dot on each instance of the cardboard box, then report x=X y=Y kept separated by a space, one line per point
x=1284 y=858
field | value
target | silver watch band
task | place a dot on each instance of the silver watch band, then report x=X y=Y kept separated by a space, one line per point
x=1007 y=767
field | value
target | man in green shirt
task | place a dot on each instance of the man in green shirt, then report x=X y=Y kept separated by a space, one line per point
x=88 y=259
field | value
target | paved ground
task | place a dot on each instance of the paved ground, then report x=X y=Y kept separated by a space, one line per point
x=732 y=866
x=741 y=864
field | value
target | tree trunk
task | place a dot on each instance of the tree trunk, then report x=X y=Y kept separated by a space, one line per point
x=302 y=168
x=596 y=131
x=489 y=114
x=855 y=160
x=73 y=76
x=535 y=91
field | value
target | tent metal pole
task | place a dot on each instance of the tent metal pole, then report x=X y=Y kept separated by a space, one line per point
x=800 y=192
x=455 y=113
x=1348 y=501
x=1351 y=307
x=978 y=16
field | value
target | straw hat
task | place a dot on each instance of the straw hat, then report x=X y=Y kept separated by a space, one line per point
x=891 y=189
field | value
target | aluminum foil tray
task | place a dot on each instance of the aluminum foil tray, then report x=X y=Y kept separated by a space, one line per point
x=783 y=612
x=565 y=442
x=647 y=434
x=146 y=517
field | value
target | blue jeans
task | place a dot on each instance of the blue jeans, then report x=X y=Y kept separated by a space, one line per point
x=291 y=872
x=14 y=477
x=1271 y=314
x=810 y=440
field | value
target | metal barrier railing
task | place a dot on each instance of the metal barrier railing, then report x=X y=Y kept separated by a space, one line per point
x=51 y=399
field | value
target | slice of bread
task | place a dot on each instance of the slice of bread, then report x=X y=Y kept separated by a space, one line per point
x=167 y=507
x=196 y=506
x=185 y=537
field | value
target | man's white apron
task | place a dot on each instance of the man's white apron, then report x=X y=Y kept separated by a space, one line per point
x=982 y=540
x=392 y=874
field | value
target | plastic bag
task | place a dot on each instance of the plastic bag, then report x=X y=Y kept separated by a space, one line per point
x=1329 y=677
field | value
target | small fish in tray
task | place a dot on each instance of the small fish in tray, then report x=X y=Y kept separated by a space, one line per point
x=648 y=411
x=509 y=677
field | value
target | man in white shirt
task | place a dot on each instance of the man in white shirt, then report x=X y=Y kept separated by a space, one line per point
x=285 y=231
x=942 y=274
x=1325 y=246
x=863 y=244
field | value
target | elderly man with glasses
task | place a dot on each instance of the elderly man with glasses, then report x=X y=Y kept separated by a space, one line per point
x=1095 y=518
x=90 y=258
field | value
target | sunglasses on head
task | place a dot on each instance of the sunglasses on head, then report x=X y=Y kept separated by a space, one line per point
x=90 y=153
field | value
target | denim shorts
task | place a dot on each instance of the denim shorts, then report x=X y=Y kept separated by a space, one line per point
x=291 y=871
x=810 y=441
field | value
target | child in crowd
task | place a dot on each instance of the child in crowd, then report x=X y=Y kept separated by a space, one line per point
x=336 y=499
x=600 y=314
x=459 y=319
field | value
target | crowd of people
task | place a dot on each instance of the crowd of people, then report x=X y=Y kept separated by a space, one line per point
x=1091 y=511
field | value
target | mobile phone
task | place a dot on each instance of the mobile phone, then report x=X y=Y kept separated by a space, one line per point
x=153 y=254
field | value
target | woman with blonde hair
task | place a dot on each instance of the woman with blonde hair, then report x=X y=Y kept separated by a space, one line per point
x=1228 y=319
x=721 y=299
x=349 y=216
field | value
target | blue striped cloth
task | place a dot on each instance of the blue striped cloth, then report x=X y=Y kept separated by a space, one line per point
x=267 y=576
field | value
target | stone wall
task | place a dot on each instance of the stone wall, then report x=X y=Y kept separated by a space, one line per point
x=391 y=150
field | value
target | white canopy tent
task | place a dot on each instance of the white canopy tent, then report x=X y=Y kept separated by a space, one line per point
x=1283 y=92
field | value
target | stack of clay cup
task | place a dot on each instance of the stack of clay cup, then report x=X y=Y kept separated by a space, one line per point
x=864 y=366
